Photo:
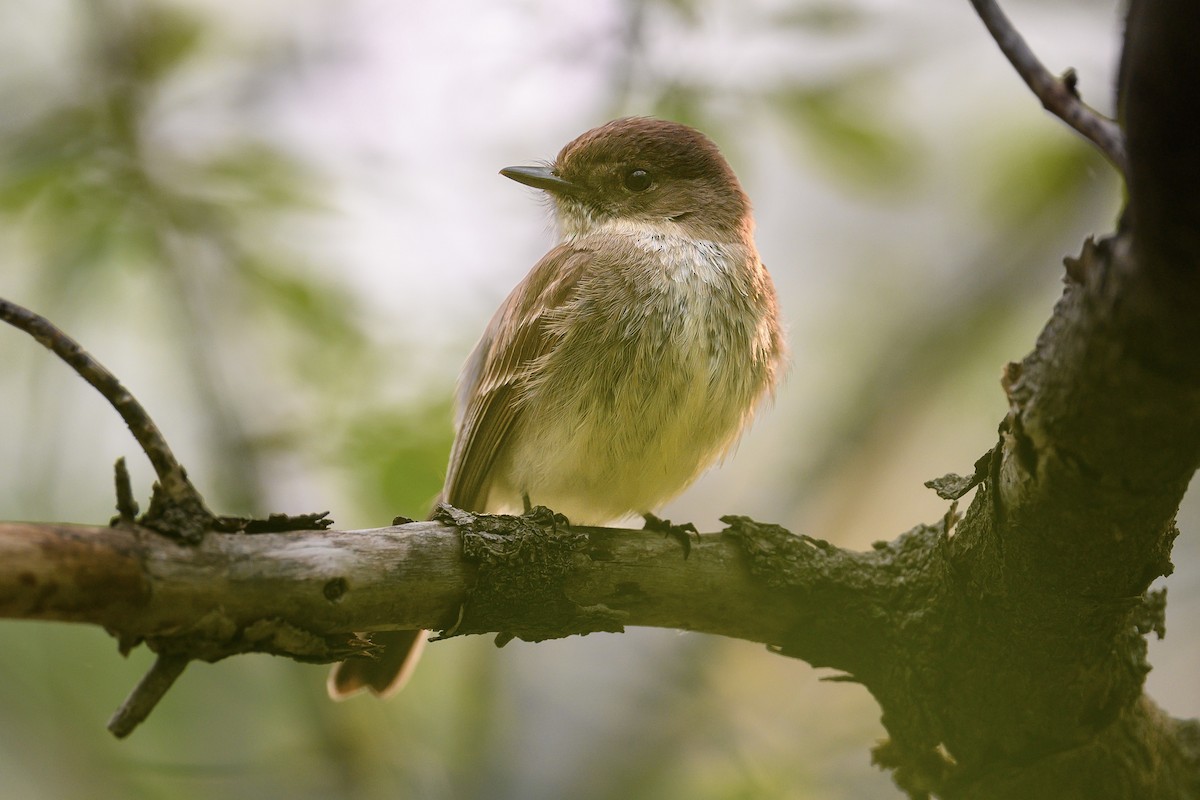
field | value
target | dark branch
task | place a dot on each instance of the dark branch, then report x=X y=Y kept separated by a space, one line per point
x=178 y=495
x=1159 y=95
x=300 y=593
x=166 y=467
x=145 y=696
x=1058 y=95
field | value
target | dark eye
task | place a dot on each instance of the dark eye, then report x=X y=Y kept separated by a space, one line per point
x=637 y=180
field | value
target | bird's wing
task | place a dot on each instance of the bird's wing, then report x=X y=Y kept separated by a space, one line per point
x=493 y=379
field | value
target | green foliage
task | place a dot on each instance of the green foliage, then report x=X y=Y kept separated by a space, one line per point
x=95 y=189
x=840 y=124
x=824 y=18
x=398 y=456
x=1043 y=175
x=144 y=44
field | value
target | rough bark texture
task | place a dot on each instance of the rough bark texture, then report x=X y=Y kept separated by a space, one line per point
x=298 y=594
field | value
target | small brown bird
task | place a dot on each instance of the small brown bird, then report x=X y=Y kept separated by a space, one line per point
x=628 y=360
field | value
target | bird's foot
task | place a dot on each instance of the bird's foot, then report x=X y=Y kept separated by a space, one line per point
x=546 y=517
x=680 y=533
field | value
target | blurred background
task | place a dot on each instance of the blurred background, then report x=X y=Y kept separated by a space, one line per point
x=280 y=224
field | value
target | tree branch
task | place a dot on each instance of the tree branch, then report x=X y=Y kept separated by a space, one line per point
x=145 y=696
x=1058 y=95
x=299 y=594
x=1159 y=93
x=177 y=508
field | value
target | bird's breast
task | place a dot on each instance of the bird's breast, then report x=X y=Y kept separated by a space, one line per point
x=653 y=372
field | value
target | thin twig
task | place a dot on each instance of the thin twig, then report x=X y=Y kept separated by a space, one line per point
x=1058 y=95
x=127 y=507
x=172 y=478
x=145 y=696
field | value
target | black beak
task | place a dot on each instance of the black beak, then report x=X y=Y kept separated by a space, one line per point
x=541 y=178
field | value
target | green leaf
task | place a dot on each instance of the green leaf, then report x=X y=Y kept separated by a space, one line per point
x=844 y=128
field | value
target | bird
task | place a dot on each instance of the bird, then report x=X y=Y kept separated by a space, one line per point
x=627 y=361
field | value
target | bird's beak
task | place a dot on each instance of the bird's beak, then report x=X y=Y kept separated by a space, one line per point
x=541 y=178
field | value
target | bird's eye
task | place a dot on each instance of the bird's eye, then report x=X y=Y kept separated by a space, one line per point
x=637 y=180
